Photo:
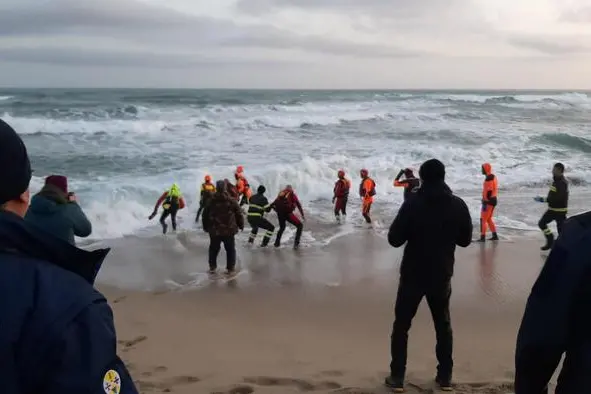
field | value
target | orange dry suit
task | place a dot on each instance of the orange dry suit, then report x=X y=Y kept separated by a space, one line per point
x=243 y=188
x=490 y=190
x=367 y=189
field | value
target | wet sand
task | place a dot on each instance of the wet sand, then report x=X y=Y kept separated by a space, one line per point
x=319 y=320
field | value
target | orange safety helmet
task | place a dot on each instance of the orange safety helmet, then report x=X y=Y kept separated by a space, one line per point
x=207 y=178
x=364 y=172
x=341 y=174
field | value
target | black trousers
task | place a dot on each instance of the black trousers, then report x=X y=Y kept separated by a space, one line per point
x=550 y=216
x=410 y=294
x=257 y=222
x=172 y=211
x=199 y=211
x=215 y=244
x=293 y=219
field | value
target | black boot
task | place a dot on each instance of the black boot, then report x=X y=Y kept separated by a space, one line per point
x=494 y=237
x=549 y=242
x=482 y=239
x=265 y=241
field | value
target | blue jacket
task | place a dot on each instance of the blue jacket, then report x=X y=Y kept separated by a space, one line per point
x=56 y=331
x=51 y=211
x=557 y=318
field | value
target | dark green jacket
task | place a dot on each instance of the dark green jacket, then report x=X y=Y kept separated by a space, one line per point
x=51 y=211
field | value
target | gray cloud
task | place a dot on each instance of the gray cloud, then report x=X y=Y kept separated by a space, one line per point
x=72 y=56
x=392 y=8
x=135 y=22
x=552 y=46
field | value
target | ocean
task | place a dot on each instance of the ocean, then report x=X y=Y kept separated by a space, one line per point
x=122 y=148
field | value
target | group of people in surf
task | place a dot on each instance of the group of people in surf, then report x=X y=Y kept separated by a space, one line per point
x=286 y=203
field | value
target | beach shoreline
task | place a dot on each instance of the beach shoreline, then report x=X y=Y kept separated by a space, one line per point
x=319 y=320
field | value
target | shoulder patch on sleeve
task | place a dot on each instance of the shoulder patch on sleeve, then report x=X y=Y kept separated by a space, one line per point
x=112 y=382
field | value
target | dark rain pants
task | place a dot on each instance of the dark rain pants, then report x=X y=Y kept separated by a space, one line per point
x=410 y=294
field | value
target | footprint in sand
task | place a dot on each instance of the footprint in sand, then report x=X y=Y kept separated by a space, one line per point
x=133 y=342
x=167 y=385
x=332 y=373
x=302 y=385
x=237 y=390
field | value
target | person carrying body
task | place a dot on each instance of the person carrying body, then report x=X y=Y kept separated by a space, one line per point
x=285 y=204
x=222 y=218
x=172 y=201
x=257 y=206
x=490 y=190
x=242 y=186
x=410 y=183
x=341 y=196
x=557 y=200
x=367 y=189
x=207 y=190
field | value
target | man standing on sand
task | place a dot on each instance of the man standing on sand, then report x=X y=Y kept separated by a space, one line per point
x=432 y=224
x=222 y=218
x=556 y=321
x=57 y=331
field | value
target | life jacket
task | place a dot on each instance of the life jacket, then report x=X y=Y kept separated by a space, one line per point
x=341 y=188
x=172 y=198
x=285 y=201
x=207 y=187
x=367 y=193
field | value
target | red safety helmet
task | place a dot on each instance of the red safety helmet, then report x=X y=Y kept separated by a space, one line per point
x=239 y=169
x=341 y=174
x=207 y=178
x=364 y=172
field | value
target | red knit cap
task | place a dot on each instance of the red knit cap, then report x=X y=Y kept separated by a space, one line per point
x=59 y=181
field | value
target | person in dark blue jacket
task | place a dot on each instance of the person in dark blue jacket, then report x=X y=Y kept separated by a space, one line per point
x=557 y=318
x=55 y=210
x=56 y=332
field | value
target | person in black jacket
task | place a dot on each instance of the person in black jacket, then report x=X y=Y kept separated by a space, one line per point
x=409 y=183
x=257 y=206
x=557 y=200
x=557 y=319
x=431 y=224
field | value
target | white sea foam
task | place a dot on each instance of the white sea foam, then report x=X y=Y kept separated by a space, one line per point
x=119 y=161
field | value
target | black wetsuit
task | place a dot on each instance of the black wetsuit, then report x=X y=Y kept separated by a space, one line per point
x=207 y=190
x=171 y=207
x=257 y=206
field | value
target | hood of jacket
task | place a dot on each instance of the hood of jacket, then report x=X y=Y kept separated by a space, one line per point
x=48 y=201
x=435 y=190
x=21 y=238
x=487 y=168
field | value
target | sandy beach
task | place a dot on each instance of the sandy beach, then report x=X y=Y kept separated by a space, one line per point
x=319 y=320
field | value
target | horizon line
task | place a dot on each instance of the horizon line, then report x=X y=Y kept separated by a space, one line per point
x=580 y=90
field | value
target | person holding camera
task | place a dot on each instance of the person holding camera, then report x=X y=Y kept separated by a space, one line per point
x=55 y=210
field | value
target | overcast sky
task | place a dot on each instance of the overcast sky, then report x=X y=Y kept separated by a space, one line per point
x=296 y=43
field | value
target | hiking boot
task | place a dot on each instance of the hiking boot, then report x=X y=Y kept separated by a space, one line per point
x=396 y=384
x=482 y=239
x=494 y=237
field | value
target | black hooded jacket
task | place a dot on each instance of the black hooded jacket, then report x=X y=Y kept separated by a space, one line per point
x=432 y=224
